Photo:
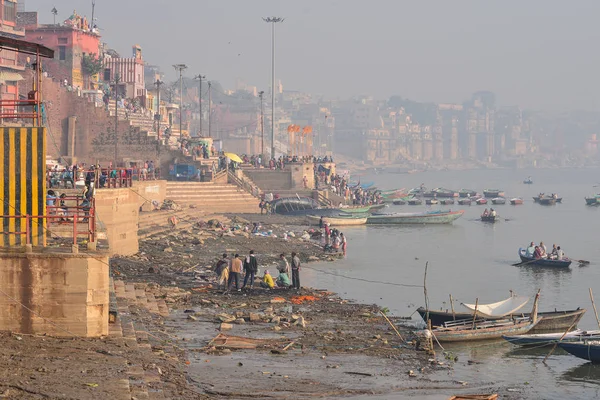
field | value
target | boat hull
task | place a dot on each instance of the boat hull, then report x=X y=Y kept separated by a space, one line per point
x=586 y=351
x=483 y=333
x=341 y=221
x=417 y=218
x=447 y=202
x=489 y=218
x=592 y=201
x=543 y=262
x=551 y=338
x=539 y=199
x=552 y=321
x=465 y=202
x=467 y=193
x=515 y=202
x=493 y=193
x=499 y=200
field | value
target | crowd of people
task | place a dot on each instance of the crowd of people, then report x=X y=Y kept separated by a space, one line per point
x=540 y=251
x=334 y=240
x=75 y=175
x=229 y=273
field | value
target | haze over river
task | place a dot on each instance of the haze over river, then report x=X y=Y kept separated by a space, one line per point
x=471 y=259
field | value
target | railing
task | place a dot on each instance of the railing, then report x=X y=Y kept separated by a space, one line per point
x=243 y=184
x=103 y=177
x=323 y=201
x=18 y=233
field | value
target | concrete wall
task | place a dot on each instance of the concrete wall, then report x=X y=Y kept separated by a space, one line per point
x=68 y=291
x=118 y=210
x=148 y=191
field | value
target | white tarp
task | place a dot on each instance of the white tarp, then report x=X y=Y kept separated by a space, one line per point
x=499 y=309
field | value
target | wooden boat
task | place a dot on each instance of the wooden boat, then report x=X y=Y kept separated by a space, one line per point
x=549 y=321
x=467 y=193
x=498 y=200
x=431 y=217
x=340 y=220
x=516 y=200
x=588 y=350
x=432 y=202
x=415 y=202
x=447 y=202
x=465 y=201
x=593 y=201
x=541 y=196
x=492 y=396
x=493 y=193
x=363 y=210
x=481 y=201
x=441 y=192
x=549 y=338
x=547 y=201
x=399 y=202
x=544 y=262
x=490 y=218
x=460 y=331
x=528 y=181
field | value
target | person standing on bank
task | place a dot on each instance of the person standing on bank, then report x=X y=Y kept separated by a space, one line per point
x=251 y=268
x=295 y=271
x=236 y=270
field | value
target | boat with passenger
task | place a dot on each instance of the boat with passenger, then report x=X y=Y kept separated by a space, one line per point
x=526 y=258
x=547 y=200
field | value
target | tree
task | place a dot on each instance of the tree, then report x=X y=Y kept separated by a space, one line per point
x=91 y=64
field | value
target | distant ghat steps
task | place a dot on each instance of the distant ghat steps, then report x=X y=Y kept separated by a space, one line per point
x=144 y=122
x=211 y=197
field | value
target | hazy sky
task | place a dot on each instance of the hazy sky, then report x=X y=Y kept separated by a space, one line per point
x=534 y=53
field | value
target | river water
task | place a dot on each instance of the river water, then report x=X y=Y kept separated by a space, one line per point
x=472 y=260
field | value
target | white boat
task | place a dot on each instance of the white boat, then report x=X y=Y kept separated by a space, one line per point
x=500 y=308
x=339 y=220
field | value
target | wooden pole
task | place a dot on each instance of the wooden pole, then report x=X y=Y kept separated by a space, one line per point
x=392 y=325
x=475 y=313
x=594 y=305
x=430 y=337
x=559 y=340
x=425 y=293
x=452 y=307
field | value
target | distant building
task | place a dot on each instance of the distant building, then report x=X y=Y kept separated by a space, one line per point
x=130 y=73
x=72 y=41
x=10 y=67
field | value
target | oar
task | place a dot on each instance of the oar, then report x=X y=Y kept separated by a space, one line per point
x=524 y=263
x=582 y=262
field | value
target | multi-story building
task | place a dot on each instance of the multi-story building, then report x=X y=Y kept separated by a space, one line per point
x=10 y=67
x=76 y=45
x=128 y=71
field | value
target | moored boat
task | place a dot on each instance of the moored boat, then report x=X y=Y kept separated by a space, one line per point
x=516 y=201
x=593 y=201
x=415 y=201
x=432 y=202
x=340 y=220
x=493 y=193
x=441 y=192
x=498 y=200
x=466 y=201
x=466 y=330
x=399 y=202
x=547 y=201
x=481 y=201
x=467 y=193
x=528 y=181
x=549 y=321
x=588 y=350
x=430 y=217
x=543 y=262
x=542 y=196
x=447 y=202
x=530 y=339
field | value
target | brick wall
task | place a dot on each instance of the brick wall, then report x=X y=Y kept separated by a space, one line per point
x=93 y=131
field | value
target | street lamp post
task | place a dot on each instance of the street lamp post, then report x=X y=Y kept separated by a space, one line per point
x=200 y=77
x=262 y=126
x=117 y=79
x=273 y=21
x=157 y=114
x=180 y=68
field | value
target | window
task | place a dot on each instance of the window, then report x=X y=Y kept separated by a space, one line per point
x=10 y=11
x=62 y=53
x=106 y=74
x=63 y=40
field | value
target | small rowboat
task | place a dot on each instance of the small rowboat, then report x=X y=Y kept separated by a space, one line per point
x=544 y=262
x=549 y=321
x=498 y=200
x=481 y=201
x=338 y=220
x=415 y=202
x=593 y=201
x=447 y=202
x=528 y=181
x=431 y=202
x=465 y=201
x=588 y=350
x=490 y=218
x=550 y=338
x=493 y=193
x=467 y=193
x=515 y=201
x=399 y=202
x=539 y=199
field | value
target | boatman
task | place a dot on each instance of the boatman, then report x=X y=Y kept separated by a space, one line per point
x=530 y=250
